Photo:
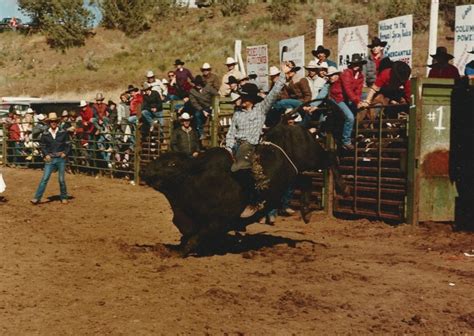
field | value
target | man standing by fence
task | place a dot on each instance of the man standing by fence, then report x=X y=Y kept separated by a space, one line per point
x=55 y=146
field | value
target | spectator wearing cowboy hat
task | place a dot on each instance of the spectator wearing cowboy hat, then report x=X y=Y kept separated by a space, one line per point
x=87 y=114
x=200 y=98
x=184 y=77
x=322 y=54
x=246 y=128
x=152 y=108
x=374 y=60
x=55 y=146
x=14 y=138
x=347 y=92
x=233 y=84
x=64 y=123
x=209 y=77
x=136 y=101
x=232 y=70
x=99 y=108
x=469 y=69
x=441 y=68
x=314 y=82
x=156 y=84
x=185 y=139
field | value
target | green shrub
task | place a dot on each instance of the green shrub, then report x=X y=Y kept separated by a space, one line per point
x=233 y=7
x=282 y=11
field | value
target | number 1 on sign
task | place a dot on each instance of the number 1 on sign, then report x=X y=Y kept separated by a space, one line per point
x=440 y=126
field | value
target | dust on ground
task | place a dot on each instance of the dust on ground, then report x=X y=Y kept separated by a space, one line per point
x=102 y=265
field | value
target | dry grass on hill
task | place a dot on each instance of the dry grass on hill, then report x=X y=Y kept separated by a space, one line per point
x=110 y=61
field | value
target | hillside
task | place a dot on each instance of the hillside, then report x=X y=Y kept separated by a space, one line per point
x=110 y=60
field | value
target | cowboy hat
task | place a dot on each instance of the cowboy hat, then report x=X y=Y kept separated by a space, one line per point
x=30 y=110
x=234 y=96
x=232 y=80
x=40 y=117
x=65 y=113
x=321 y=50
x=99 y=97
x=132 y=88
x=230 y=61
x=249 y=92
x=442 y=52
x=178 y=62
x=312 y=65
x=206 y=66
x=294 y=68
x=52 y=116
x=83 y=103
x=150 y=74
x=274 y=71
x=253 y=75
x=376 y=42
x=185 y=116
x=332 y=70
x=357 y=59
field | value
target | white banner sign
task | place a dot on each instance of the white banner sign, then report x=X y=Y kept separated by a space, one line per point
x=293 y=50
x=398 y=33
x=463 y=36
x=257 y=63
x=351 y=40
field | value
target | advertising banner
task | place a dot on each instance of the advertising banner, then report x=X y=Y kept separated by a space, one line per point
x=398 y=33
x=463 y=36
x=293 y=50
x=351 y=40
x=257 y=63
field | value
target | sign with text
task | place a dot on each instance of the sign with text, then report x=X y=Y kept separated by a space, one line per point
x=463 y=36
x=293 y=50
x=351 y=40
x=398 y=33
x=257 y=63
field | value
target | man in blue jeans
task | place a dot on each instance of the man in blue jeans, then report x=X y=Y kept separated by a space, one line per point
x=55 y=146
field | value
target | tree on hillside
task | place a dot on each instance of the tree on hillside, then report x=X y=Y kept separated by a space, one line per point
x=65 y=23
x=134 y=16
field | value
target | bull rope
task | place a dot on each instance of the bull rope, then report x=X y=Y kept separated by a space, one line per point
x=284 y=153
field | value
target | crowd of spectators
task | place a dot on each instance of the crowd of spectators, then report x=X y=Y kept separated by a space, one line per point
x=106 y=131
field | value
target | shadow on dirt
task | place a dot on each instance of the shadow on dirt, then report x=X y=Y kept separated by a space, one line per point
x=233 y=244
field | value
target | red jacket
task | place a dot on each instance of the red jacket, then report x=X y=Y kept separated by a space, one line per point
x=86 y=115
x=14 y=132
x=136 y=101
x=448 y=71
x=347 y=88
x=383 y=80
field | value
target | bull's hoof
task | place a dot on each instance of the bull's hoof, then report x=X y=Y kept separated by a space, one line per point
x=306 y=215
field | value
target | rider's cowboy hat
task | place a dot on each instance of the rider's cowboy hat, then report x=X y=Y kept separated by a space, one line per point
x=321 y=50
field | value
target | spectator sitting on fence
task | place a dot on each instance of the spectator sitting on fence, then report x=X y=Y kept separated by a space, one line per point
x=232 y=70
x=123 y=110
x=136 y=101
x=112 y=113
x=374 y=60
x=185 y=139
x=184 y=77
x=156 y=84
x=234 y=85
x=64 y=123
x=152 y=109
x=441 y=68
x=200 y=98
x=209 y=77
x=392 y=86
x=310 y=86
x=321 y=55
x=347 y=92
x=55 y=146
x=39 y=128
x=288 y=97
x=174 y=91
x=87 y=115
x=469 y=69
x=99 y=108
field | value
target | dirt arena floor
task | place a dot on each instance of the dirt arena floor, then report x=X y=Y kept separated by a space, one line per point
x=100 y=266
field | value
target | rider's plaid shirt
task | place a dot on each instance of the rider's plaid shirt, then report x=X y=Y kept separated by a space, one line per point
x=247 y=125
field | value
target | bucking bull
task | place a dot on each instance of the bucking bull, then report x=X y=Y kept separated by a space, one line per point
x=207 y=198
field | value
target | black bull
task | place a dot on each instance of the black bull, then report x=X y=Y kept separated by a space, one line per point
x=207 y=198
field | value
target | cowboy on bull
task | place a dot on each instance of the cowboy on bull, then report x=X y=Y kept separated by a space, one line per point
x=246 y=128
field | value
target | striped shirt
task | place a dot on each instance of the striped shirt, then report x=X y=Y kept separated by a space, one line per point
x=247 y=125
